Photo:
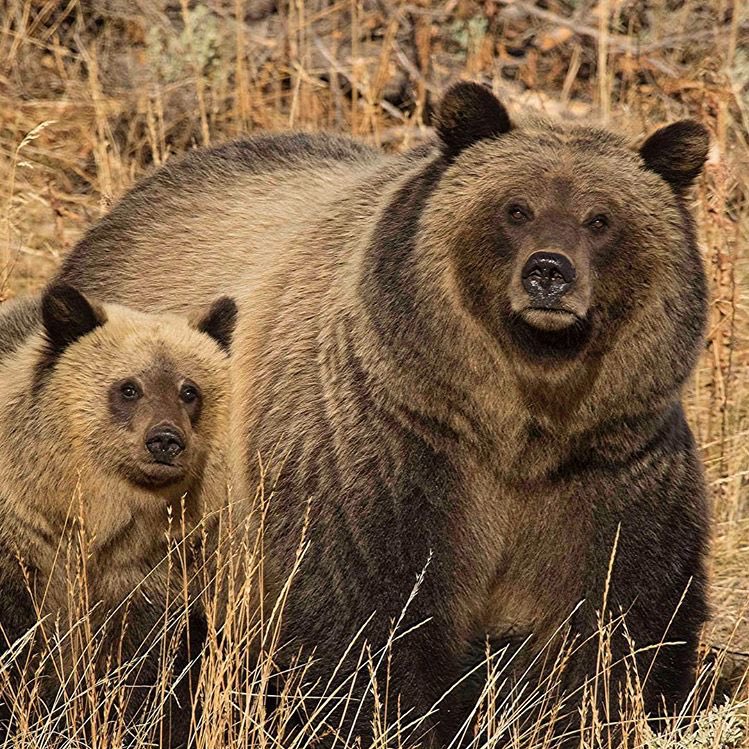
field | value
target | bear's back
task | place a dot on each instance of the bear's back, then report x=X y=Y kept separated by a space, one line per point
x=214 y=218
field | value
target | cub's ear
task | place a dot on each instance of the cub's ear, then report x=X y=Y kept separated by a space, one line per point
x=67 y=316
x=677 y=152
x=467 y=114
x=219 y=322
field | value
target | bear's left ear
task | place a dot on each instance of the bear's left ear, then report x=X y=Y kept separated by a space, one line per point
x=677 y=152
x=467 y=114
x=219 y=322
x=67 y=316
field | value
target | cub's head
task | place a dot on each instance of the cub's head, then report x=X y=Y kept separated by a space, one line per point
x=143 y=397
x=565 y=242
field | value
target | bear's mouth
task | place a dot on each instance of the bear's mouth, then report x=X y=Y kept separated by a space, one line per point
x=154 y=474
x=549 y=318
x=550 y=333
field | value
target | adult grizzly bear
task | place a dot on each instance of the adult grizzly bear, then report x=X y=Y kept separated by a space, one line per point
x=113 y=422
x=472 y=353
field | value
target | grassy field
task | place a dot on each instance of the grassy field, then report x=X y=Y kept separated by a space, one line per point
x=94 y=93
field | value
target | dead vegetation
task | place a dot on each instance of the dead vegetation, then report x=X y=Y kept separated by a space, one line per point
x=93 y=93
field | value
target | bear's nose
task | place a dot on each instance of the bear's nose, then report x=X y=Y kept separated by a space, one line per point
x=165 y=443
x=547 y=276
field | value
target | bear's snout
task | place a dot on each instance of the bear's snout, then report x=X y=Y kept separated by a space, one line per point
x=547 y=277
x=165 y=443
x=551 y=288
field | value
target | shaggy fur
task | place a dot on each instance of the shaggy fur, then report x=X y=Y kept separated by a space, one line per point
x=18 y=320
x=78 y=495
x=389 y=380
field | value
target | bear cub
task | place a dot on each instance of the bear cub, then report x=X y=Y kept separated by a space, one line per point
x=111 y=453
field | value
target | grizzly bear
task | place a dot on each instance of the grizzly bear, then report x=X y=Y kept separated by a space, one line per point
x=112 y=449
x=462 y=365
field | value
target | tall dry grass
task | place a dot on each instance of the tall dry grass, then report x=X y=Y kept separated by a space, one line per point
x=71 y=691
x=93 y=93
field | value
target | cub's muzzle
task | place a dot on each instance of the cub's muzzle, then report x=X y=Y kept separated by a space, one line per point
x=165 y=443
x=547 y=277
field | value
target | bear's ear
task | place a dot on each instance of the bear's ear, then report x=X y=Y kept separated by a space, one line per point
x=67 y=316
x=219 y=322
x=677 y=152
x=467 y=114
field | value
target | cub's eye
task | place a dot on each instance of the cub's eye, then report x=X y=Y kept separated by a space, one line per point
x=598 y=223
x=189 y=393
x=518 y=214
x=130 y=391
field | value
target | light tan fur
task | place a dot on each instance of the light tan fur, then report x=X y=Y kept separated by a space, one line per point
x=60 y=458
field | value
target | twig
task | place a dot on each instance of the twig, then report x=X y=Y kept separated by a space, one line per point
x=386 y=105
x=412 y=70
x=622 y=43
x=723 y=649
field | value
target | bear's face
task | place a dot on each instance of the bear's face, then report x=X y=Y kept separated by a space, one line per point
x=557 y=235
x=144 y=395
x=153 y=416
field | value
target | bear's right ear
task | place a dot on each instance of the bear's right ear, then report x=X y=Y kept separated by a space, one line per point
x=467 y=114
x=67 y=316
x=677 y=152
x=219 y=322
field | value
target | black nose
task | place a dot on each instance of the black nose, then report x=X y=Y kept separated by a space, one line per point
x=165 y=443
x=547 y=276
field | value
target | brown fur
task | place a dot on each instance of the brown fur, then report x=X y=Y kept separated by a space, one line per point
x=72 y=481
x=385 y=374
x=18 y=319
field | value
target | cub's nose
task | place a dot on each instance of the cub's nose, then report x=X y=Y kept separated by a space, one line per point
x=165 y=443
x=547 y=276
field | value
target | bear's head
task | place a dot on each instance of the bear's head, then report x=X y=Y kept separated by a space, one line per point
x=142 y=397
x=566 y=243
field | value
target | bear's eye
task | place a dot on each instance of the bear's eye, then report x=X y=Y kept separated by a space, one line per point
x=130 y=391
x=598 y=223
x=518 y=214
x=189 y=393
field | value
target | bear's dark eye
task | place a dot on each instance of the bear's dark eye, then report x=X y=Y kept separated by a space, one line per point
x=598 y=223
x=518 y=214
x=130 y=391
x=189 y=393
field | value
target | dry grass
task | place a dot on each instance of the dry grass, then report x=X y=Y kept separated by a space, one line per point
x=93 y=93
x=75 y=695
